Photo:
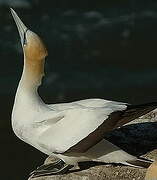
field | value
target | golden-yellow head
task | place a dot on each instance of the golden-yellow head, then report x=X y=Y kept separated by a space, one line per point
x=33 y=47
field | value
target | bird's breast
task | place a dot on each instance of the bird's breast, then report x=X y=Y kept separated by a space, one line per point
x=21 y=129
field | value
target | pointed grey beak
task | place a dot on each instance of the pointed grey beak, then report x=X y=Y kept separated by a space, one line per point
x=20 y=26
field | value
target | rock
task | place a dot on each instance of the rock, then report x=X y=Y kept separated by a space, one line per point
x=138 y=137
x=101 y=172
x=152 y=172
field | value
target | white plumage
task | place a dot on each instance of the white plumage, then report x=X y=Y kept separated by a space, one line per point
x=72 y=131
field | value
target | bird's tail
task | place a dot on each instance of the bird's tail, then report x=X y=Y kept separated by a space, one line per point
x=105 y=151
x=139 y=163
x=134 y=111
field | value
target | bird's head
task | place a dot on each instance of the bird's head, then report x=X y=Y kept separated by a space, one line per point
x=33 y=47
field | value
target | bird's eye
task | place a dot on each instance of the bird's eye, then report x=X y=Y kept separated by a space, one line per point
x=24 y=38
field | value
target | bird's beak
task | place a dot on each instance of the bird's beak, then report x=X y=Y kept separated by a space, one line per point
x=20 y=26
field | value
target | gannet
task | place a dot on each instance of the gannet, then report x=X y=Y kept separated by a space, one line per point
x=73 y=132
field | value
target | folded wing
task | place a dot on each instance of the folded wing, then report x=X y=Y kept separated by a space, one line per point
x=81 y=128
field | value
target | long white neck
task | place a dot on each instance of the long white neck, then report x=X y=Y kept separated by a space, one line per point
x=33 y=72
x=28 y=106
x=27 y=98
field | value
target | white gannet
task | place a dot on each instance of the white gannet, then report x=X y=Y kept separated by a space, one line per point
x=72 y=132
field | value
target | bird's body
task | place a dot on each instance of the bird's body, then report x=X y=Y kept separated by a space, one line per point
x=60 y=124
x=73 y=131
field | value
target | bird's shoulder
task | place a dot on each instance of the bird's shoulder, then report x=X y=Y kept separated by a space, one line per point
x=88 y=103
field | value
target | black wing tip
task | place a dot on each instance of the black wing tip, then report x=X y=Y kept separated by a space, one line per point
x=140 y=162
